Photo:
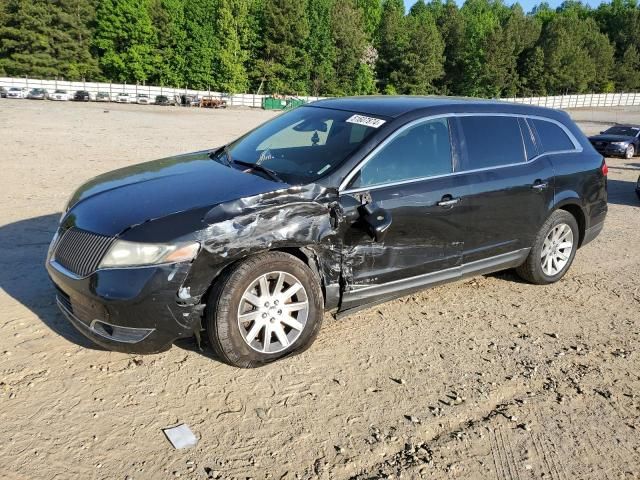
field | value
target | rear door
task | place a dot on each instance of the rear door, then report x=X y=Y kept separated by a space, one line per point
x=510 y=185
x=409 y=178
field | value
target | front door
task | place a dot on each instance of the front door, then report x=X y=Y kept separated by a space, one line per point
x=409 y=179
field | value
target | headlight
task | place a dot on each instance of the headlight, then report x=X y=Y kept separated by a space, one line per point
x=131 y=254
x=619 y=144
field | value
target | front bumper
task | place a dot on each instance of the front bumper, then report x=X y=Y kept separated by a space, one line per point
x=611 y=150
x=132 y=310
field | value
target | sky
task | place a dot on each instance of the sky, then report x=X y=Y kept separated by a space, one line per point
x=527 y=5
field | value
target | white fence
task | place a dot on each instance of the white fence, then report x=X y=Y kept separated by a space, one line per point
x=582 y=101
x=251 y=100
x=236 y=99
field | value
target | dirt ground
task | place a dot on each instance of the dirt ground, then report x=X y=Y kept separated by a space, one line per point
x=489 y=378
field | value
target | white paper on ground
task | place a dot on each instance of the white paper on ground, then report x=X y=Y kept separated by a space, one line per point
x=180 y=436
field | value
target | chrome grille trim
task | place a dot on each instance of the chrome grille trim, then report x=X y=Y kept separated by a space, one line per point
x=80 y=251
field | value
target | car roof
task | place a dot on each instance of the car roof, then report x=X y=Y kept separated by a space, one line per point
x=397 y=105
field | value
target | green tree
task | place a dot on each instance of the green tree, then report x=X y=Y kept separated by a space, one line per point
x=47 y=39
x=533 y=73
x=628 y=71
x=200 y=45
x=321 y=48
x=285 y=63
x=371 y=16
x=230 y=57
x=504 y=48
x=168 y=20
x=578 y=58
x=392 y=42
x=450 y=23
x=421 y=63
x=125 y=40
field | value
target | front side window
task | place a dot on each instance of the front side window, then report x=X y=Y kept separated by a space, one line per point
x=491 y=141
x=423 y=150
x=552 y=137
x=306 y=143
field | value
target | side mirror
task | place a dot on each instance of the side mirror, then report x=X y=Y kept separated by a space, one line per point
x=377 y=220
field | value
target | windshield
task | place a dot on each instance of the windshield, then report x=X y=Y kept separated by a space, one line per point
x=626 y=131
x=306 y=143
x=60 y=91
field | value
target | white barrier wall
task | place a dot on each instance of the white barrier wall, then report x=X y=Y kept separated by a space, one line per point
x=236 y=99
x=581 y=101
x=251 y=100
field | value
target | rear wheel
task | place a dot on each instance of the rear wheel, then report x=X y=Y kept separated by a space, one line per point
x=267 y=307
x=553 y=250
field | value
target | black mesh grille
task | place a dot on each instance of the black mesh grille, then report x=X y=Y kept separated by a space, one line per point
x=80 y=251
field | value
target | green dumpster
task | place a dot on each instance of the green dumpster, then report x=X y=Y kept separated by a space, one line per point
x=272 y=103
x=294 y=103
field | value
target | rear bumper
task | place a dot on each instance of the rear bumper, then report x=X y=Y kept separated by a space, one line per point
x=132 y=310
x=592 y=232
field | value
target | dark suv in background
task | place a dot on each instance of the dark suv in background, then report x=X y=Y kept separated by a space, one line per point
x=333 y=206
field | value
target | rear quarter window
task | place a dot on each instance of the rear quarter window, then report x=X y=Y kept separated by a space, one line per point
x=491 y=141
x=552 y=137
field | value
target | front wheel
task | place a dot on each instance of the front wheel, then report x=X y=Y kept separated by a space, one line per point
x=266 y=307
x=630 y=152
x=553 y=250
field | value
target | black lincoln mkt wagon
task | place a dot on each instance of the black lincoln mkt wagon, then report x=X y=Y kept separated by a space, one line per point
x=333 y=206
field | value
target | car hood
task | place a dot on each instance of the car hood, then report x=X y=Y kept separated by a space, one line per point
x=610 y=138
x=115 y=201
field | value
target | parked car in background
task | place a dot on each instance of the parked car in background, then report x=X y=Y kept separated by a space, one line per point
x=38 y=94
x=143 y=99
x=618 y=141
x=17 y=92
x=83 y=96
x=125 y=98
x=103 y=97
x=164 y=100
x=3 y=92
x=189 y=100
x=332 y=206
x=60 y=95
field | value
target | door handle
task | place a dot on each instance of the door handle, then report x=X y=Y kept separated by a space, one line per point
x=539 y=185
x=448 y=201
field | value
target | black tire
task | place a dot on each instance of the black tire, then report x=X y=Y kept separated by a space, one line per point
x=221 y=313
x=531 y=270
x=630 y=152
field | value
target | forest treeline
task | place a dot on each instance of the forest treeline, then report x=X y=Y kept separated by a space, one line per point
x=327 y=47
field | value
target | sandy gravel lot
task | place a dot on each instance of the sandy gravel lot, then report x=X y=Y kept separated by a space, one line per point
x=489 y=378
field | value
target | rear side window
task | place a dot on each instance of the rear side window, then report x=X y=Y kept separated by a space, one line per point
x=491 y=141
x=552 y=137
x=423 y=150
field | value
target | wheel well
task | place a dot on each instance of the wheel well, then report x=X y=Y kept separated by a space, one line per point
x=299 y=253
x=578 y=214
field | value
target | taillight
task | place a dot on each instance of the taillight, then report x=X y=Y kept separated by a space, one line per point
x=605 y=169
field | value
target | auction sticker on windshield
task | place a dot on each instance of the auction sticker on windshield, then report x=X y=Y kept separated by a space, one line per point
x=366 y=121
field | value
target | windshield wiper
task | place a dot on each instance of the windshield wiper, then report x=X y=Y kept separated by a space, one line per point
x=261 y=168
x=216 y=155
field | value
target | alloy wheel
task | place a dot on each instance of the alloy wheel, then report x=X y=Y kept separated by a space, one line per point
x=630 y=152
x=273 y=312
x=556 y=249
